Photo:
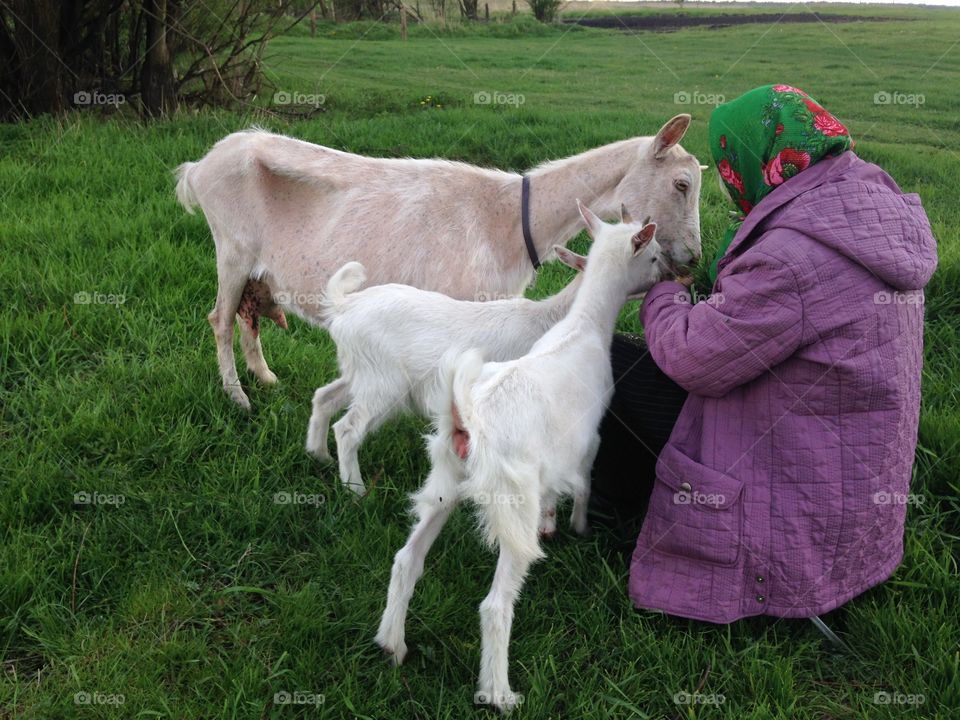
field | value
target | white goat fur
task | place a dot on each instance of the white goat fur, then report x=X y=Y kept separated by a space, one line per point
x=390 y=339
x=288 y=213
x=533 y=435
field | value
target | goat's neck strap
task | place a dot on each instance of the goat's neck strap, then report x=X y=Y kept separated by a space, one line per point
x=525 y=222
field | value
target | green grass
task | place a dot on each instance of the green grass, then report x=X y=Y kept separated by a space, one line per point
x=199 y=597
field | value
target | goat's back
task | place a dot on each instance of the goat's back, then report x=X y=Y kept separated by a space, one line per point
x=419 y=325
x=296 y=212
x=544 y=404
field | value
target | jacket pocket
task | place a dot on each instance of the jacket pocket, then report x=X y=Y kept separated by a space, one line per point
x=695 y=512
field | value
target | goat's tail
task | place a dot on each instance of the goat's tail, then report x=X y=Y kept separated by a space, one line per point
x=185 y=192
x=459 y=371
x=508 y=515
x=348 y=279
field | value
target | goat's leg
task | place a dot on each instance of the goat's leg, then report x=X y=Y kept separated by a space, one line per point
x=256 y=302
x=221 y=318
x=364 y=416
x=326 y=401
x=434 y=504
x=581 y=498
x=548 y=515
x=496 y=618
x=349 y=432
x=578 y=516
x=253 y=354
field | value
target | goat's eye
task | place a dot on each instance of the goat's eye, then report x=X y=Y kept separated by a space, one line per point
x=681 y=185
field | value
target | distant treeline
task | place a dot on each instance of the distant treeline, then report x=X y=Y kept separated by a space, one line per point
x=157 y=55
x=154 y=54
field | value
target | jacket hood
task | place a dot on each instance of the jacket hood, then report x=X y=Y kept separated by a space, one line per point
x=857 y=210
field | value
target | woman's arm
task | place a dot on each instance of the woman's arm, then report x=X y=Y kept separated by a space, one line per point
x=709 y=348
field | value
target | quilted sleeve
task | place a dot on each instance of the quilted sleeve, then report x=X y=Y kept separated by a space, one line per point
x=754 y=322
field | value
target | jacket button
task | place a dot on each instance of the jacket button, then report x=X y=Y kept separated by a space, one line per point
x=760 y=598
x=759 y=578
x=685 y=487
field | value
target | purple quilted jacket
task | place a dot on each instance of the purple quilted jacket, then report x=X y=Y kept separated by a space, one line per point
x=782 y=488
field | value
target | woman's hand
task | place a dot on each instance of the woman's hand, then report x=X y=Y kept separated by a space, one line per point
x=677 y=273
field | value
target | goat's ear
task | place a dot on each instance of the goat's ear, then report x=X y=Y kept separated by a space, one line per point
x=590 y=220
x=625 y=216
x=643 y=238
x=670 y=134
x=570 y=258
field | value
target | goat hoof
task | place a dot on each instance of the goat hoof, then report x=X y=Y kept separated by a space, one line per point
x=504 y=702
x=507 y=706
x=580 y=526
x=238 y=396
x=318 y=452
x=358 y=488
x=267 y=377
x=394 y=656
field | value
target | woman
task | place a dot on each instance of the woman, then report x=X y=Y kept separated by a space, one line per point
x=780 y=489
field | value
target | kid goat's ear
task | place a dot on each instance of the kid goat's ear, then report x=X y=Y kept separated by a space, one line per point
x=643 y=238
x=590 y=220
x=670 y=134
x=570 y=258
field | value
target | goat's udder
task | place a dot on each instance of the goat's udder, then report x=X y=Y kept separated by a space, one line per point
x=257 y=300
x=461 y=438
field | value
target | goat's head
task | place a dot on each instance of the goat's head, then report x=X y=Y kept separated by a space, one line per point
x=630 y=245
x=664 y=182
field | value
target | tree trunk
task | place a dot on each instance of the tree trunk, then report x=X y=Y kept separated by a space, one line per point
x=156 y=80
x=38 y=69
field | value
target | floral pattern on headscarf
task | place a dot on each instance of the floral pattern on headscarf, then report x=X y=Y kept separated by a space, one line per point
x=765 y=137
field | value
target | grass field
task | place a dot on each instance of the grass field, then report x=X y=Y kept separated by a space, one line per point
x=198 y=596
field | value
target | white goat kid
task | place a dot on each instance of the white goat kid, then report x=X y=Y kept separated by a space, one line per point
x=527 y=432
x=390 y=339
x=285 y=214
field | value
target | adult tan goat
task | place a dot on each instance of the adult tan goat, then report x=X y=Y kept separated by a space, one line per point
x=286 y=214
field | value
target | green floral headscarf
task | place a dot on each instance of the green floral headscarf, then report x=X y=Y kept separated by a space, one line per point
x=764 y=138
